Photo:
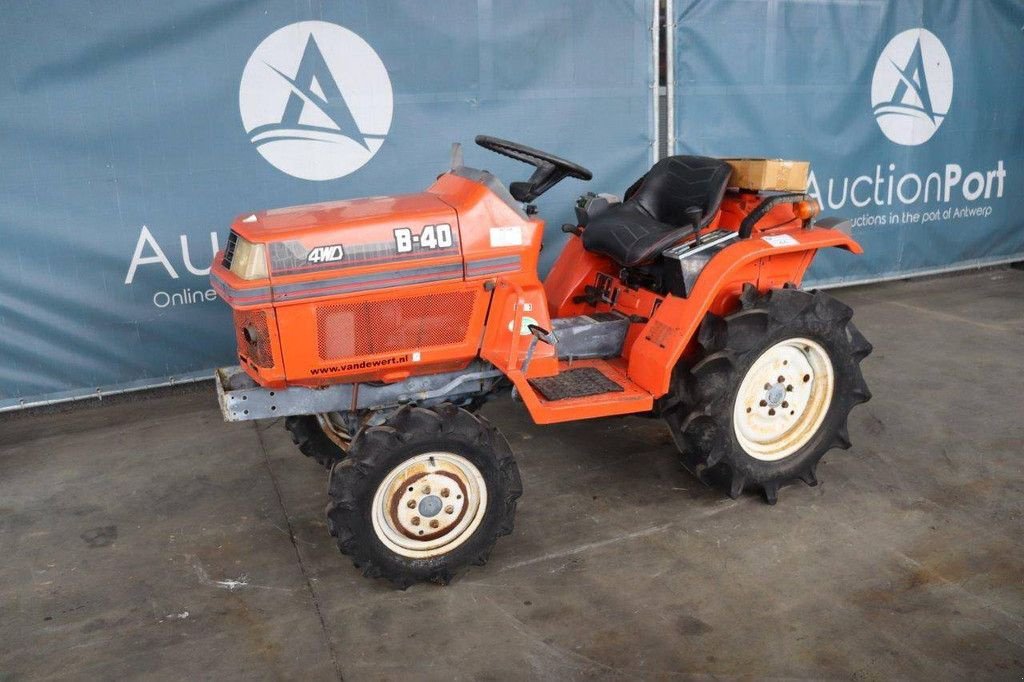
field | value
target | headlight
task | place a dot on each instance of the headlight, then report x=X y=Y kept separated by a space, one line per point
x=249 y=260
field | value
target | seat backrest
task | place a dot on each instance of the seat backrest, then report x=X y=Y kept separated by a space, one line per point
x=677 y=183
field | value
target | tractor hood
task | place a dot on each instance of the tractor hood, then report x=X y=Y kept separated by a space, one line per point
x=373 y=232
x=296 y=222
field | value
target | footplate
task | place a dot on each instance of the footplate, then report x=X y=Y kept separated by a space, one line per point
x=575 y=383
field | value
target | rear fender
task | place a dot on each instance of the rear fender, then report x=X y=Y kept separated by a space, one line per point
x=766 y=261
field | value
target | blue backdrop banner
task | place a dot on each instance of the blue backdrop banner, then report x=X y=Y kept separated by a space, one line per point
x=911 y=113
x=131 y=141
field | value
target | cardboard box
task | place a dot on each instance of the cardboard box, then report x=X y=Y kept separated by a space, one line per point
x=769 y=174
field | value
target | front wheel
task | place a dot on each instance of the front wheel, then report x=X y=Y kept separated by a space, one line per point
x=423 y=495
x=771 y=392
x=310 y=433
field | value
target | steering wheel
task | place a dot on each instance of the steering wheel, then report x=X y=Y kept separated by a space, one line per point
x=550 y=171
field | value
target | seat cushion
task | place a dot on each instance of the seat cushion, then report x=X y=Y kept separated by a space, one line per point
x=629 y=236
x=653 y=216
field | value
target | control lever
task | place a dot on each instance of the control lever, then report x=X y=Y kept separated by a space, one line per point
x=542 y=334
x=693 y=216
x=539 y=334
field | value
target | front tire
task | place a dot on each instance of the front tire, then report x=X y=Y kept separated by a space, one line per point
x=771 y=391
x=423 y=495
x=309 y=435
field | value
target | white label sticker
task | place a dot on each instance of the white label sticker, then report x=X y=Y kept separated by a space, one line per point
x=506 y=236
x=524 y=326
x=778 y=240
x=416 y=356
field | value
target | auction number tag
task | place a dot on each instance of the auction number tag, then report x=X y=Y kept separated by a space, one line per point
x=778 y=240
x=506 y=236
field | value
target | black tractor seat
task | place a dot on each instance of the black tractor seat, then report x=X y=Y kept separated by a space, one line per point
x=679 y=195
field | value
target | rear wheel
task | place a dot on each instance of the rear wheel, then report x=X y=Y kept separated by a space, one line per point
x=423 y=495
x=771 y=392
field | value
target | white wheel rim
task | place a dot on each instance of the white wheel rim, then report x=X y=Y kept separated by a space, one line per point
x=783 y=399
x=429 y=504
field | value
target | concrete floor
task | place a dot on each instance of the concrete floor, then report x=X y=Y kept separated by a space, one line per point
x=146 y=539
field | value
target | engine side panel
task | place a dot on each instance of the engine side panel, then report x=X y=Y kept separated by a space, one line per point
x=384 y=288
x=384 y=335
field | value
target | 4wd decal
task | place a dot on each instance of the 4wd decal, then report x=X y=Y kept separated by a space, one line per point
x=325 y=254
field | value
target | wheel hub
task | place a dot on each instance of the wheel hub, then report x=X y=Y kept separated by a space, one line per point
x=775 y=394
x=783 y=399
x=429 y=504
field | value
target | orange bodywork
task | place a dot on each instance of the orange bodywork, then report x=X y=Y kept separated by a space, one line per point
x=384 y=288
x=382 y=312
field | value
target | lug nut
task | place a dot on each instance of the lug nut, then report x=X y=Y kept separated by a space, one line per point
x=781 y=379
x=426 y=490
x=411 y=504
x=763 y=403
x=445 y=492
x=785 y=404
x=434 y=524
x=789 y=387
x=771 y=412
x=415 y=520
x=767 y=386
x=449 y=509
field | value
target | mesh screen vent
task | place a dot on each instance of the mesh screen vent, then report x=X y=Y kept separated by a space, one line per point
x=258 y=351
x=348 y=330
x=229 y=250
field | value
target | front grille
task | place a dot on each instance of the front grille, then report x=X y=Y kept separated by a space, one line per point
x=257 y=347
x=391 y=326
x=229 y=250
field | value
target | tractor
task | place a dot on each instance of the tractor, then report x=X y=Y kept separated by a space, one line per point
x=378 y=327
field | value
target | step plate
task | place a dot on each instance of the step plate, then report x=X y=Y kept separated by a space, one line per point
x=575 y=383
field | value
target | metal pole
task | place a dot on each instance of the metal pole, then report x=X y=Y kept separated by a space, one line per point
x=655 y=81
x=670 y=77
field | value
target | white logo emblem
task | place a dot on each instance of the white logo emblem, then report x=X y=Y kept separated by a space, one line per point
x=316 y=100
x=912 y=87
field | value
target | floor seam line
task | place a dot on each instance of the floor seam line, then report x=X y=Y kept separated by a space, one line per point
x=298 y=554
x=948 y=317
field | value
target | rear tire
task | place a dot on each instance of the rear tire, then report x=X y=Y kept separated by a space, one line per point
x=423 y=495
x=771 y=391
x=312 y=441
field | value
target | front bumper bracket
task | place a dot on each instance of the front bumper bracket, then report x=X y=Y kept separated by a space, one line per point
x=242 y=399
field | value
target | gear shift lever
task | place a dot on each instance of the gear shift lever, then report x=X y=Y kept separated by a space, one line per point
x=693 y=216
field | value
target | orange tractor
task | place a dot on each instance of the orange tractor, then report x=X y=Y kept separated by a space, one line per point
x=377 y=327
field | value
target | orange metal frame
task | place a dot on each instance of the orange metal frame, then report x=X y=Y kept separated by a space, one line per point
x=507 y=295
